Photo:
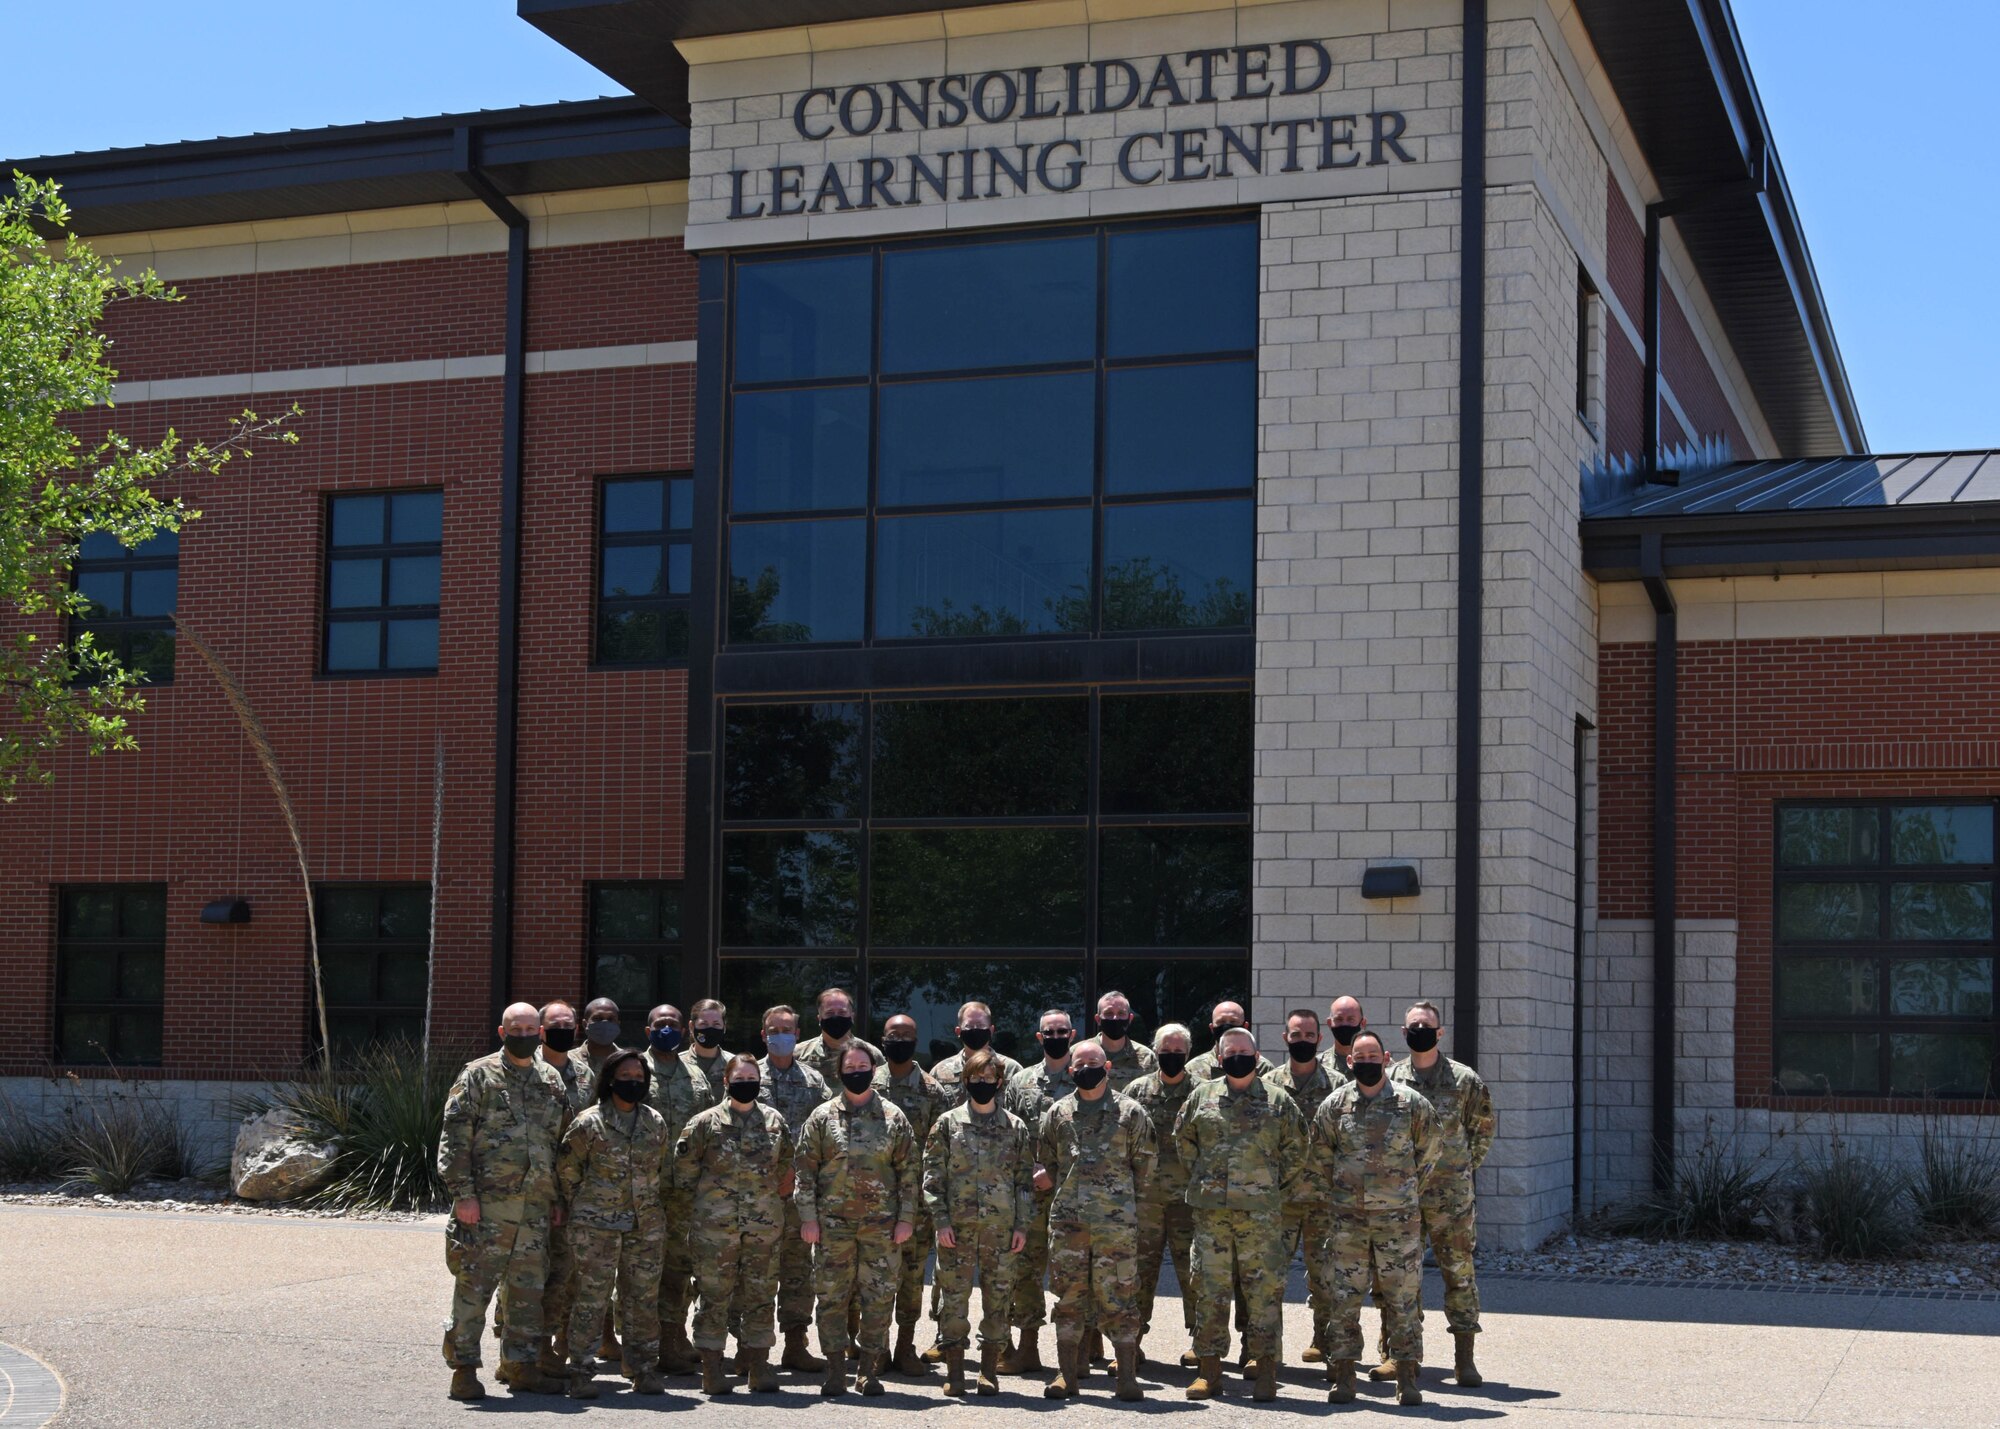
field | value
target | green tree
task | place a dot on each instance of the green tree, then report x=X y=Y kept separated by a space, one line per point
x=56 y=487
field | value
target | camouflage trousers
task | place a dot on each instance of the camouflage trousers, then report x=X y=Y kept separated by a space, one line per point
x=1094 y=1275
x=795 y=1276
x=508 y=1252
x=1306 y=1230
x=676 y=1268
x=981 y=1251
x=736 y=1270
x=854 y=1266
x=1451 y=1226
x=629 y=1262
x=1030 y=1306
x=559 y=1290
x=1385 y=1248
x=1165 y=1230
x=1238 y=1258
x=910 y=1279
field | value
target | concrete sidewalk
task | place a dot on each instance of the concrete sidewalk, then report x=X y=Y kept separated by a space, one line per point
x=179 y=1320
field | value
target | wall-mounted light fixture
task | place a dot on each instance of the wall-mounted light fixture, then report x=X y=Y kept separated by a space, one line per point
x=226 y=910
x=1394 y=880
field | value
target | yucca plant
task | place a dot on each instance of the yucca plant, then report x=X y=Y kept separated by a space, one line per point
x=1855 y=1206
x=381 y=1111
x=1956 y=1188
x=1717 y=1194
x=27 y=1146
x=114 y=1143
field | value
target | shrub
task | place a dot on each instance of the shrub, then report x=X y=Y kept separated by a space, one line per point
x=1716 y=1195
x=1956 y=1188
x=113 y=1143
x=1854 y=1206
x=27 y=1146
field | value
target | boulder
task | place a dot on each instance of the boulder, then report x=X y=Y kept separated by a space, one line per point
x=274 y=1160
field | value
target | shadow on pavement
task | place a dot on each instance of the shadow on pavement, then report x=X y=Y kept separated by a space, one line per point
x=1704 y=1305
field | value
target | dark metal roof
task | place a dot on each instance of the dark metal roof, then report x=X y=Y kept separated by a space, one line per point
x=597 y=143
x=1843 y=483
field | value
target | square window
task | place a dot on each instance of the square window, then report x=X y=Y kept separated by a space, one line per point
x=1178 y=565
x=634 y=506
x=796 y=581
x=360 y=520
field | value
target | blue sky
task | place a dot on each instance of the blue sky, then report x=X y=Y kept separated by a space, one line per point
x=1885 y=128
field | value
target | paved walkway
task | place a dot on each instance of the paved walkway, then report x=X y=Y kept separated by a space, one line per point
x=175 y=1321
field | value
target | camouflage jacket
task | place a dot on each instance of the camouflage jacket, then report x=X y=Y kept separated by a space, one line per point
x=1207 y=1067
x=1464 y=1110
x=825 y=1060
x=735 y=1161
x=857 y=1165
x=793 y=1090
x=979 y=1170
x=1162 y=1102
x=950 y=1074
x=502 y=1124
x=1307 y=1095
x=1033 y=1090
x=1244 y=1150
x=1371 y=1154
x=1134 y=1060
x=709 y=1069
x=1101 y=1155
x=678 y=1092
x=1334 y=1061
x=579 y=1080
x=611 y=1168
x=916 y=1095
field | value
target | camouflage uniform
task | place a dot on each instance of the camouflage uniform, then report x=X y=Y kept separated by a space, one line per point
x=1306 y=1222
x=732 y=1161
x=1134 y=1060
x=1207 y=1067
x=922 y=1100
x=709 y=1069
x=610 y=1172
x=1369 y=1157
x=826 y=1060
x=502 y=1124
x=858 y=1174
x=1101 y=1155
x=1334 y=1061
x=579 y=1087
x=950 y=1074
x=678 y=1092
x=1166 y=1223
x=1029 y=1094
x=1464 y=1124
x=979 y=1184
x=1245 y=1158
x=794 y=1091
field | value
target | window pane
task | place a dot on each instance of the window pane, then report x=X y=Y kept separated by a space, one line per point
x=416 y=516
x=1176 y=754
x=1815 y=1063
x=100 y=546
x=977 y=888
x=1178 y=566
x=980 y=758
x=413 y=644
x=789 y=890
x=1190 y=428
x=670 y=913
x=1019 y=990
x=360 y=520
x=1946 y=1064
x=349 y=975
x=347 y=915
x=105 y=590
x=627 y=979
x=142 y=975
x=1177 y=990
x=1828 y=838
x=89 y=975
x=150 y=653
x=804 y=317
x=634 y=505
x=350 y=1031
x=1000 y=304
x=1183 y=290
x=143 y=913
x=1920 y=835
x=354 y=645
x=354 y=585
x=138 y=1036
x=83 y=1037
x=753 y=984
x=1813 y=912
x=405 y=978
x=680 y=505
x=1941 y=987
x=994 y=573
x=406 y=913
x=638 y=636
x=793 y=581
x=153 y=592
x=631 y=570
x=1175 y=888
x=1826 y=987
x=89 y=913
x=792 y=762
x=413 y=580
x=994 y=439
x=680 y=569
x=624 y=915
x=799 y=451
x=1941 y=912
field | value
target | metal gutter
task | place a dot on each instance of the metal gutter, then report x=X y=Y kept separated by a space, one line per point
x=1471 y=534
x=1666 y=709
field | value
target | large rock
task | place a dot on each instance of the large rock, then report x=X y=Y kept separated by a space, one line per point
x=274 y=1161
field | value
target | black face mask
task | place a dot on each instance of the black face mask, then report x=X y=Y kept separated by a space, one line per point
x=1239 y=1064
x=973 y=1038
x=560 y=1039
x=744 y=1092
x=1116 y=1028
x=603 y=1033
x=982 y=1093
x=836 y=1027
x=858 y=1082
x=1088 y=1079
x=1367 y=1073
x=521 y=1044
x=900 y=1050
x=708 y=1036
x=630 y=1090
x=1173 y=1063
x=1345 y=1035
x=1053 y=1046
x=1303 y=1052
x=1420 y=1039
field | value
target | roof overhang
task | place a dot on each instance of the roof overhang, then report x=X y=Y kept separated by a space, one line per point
x=1797 y=542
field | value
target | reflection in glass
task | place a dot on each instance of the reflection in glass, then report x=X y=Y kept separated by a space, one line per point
x=634 y=505
x=632 y=570
x=1816 y=1063
x=1829 y=912
x=1183 y=290
x=1178 y=565
x=1175 y=888
x=1002 y=304
x=799 y=451
x=1178 y=990
x=789 y=890
x=633 y=636
x=1941 y=912
x=1176 y=754
x=1941 y=987
x=1019 y=990
x=360 y=520
x=803 y=317
x=980 y=758
x=636 y=980
x=1930 y=835
x=977 y=888
x=1828 y=837
x=991 y=573
x=1190 y=428
x=792 y=762
x=795 y=581
x=1941 y=1064
x=749 y=985
x=416 y=517
x=89 y=975
x=990 y=439
x=154 y=592
x=1826 y=987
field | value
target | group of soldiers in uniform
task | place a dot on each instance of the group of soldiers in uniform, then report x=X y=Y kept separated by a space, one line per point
x=808 y=1189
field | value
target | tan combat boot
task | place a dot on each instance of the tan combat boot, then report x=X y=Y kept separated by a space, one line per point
x=1093 y=1345
x=1190 y=1360
x=648 y=1381
x=677 y=1354
x=1069 y=1369
x=906 y=1361
x=526 y=1377
x=989 y=1369
x=1026 y=1356
x=1266 y=1387
x=1385 y=1371
x=713 y=1380
x=798 y=1356
x=1406 y=1383
x=954 y=1372
x=868 y=1375
x=1467 y=1373
x=580 y=1383
x=465 y=1384
x=935 y=1354
x=1341 y=1372
x=836 y=1375
x=553 y=1356
x=763 y=1379
x=1207 y=1379
x=1128 y=1372
x=1312 y=1355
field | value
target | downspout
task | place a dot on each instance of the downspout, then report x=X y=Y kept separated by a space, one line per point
x=1666 y=701
x=1471 y=532
x=507 y=620
x=1580 y=768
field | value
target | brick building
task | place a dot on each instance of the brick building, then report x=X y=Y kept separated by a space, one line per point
x=967 y=500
